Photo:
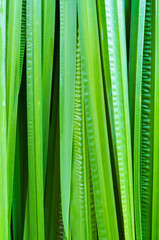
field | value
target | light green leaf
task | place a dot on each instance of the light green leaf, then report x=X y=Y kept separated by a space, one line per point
x=34 y=119
x=137 y=117
x=67 y=90
x=15 y=53
x=115 y=20
x=49 y=7
x=80 y=209
x=3 y=127
x=96 y=121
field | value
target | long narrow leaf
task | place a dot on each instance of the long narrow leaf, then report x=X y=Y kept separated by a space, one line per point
x=67 y=89
x=15 y=53
x=137 y=120
x=54 y=227
x=3 y=154
x=147 y=120
x=48 y=49
x=119 y=89
x=155 y=206
x=20 y=168
x=96 y=121
x=34 y=120
x=80 y=191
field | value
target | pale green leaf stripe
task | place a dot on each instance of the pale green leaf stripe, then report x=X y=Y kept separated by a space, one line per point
x=48 y=45
x=12 y=84
x=119 y=87
x=78 y=185
x=155 y=204
x=96 y=121
x=82 y=200
x=49 y=7
x=132 y=63
x=31 y=194
x=67 y=90
x=107 y=83
x=91 y=224
x=89 y=196
x=34 y=119
x=16 y=201
x=106 y=69
x=107 y=86
x=137 y=120
x=3 y=155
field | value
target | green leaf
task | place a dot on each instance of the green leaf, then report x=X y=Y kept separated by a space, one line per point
x=133 y=62
x=128 y=4
x=16 y=202
x=147 y=120
x=67 y=90
x=15 y=53
x=3 y=127
x=89 y=195
x=137 y=117
x=107 y=84
x=34 y=119
x=115 y=20
x=20 y=168
x=155 y=205
x=52 y=196
x=49 y=7
x=80 y=190
x=106 y=70
x=96 y=121
x=53 y=226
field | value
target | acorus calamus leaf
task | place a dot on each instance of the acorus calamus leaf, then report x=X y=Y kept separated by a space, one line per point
x=15 y=53
x=49 y=8
x=137 y=116
x=96 y=121
x=68 y=33
x=3 y=151
x=77 y=209
x=35 y=195
x=21 y=161
x=81 y=206
x=155 y=204
x=53 y=226
x=147 y=120
x=116 y=35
